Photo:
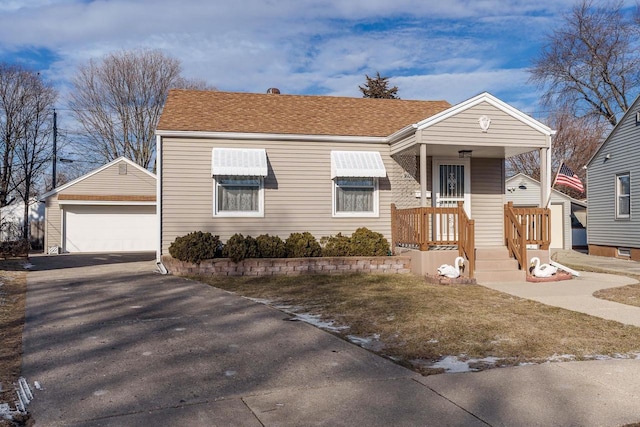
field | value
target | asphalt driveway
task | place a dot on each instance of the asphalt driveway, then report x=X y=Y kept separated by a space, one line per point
x=118 y=344
x=113 y=343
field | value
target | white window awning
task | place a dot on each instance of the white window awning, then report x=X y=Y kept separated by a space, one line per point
x=239 y=161
x=361 y=164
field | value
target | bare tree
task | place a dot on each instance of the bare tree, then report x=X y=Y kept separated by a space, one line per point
x=26 y=103
x=33 y=151
x=378 y=87
x=591 y=63
x=118 y=100
x=574 y=143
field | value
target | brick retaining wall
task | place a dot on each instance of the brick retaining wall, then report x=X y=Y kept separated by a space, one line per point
x=290 y=266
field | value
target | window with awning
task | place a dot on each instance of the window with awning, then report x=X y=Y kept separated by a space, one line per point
x=239 y=181
x=355 y=177
x=239 y=162
x=360 y=164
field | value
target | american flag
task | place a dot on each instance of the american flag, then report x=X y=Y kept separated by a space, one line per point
x=567 y=177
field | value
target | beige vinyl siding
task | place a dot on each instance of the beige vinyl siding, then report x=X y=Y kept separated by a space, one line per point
x=463 y=129
x=531 y=197
x=405 y=143
x=53 y=223
x=487 y=200
x=623 y=146
x=297 y=195
x=110 y=182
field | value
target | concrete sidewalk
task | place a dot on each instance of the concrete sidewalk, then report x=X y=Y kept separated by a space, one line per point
x=119 y=345
x=577 y=294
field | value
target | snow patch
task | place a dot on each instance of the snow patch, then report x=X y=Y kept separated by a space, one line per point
x=27 y=265
x=456 y=364
x=315 y=320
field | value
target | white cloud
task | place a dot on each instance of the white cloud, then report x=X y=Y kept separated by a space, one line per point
x=430 y=49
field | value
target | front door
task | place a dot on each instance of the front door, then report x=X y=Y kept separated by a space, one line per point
x=451 y=184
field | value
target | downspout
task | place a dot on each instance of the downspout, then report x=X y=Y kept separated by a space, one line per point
x=161 y=268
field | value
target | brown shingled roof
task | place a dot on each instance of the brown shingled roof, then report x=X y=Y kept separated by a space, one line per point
x=211 y=111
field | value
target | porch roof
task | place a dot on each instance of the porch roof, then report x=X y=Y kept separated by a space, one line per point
x=483 y=124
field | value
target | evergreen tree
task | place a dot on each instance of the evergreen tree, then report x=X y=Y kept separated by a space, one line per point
x=378 y=87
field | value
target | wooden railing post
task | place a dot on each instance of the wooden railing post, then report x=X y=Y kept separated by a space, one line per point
x=394 y=231
x=424 y=229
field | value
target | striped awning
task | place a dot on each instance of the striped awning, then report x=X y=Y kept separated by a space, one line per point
x=239 y=161
x=361 y=164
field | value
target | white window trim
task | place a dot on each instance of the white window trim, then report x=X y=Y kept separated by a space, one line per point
x=617 y=183
x=376 y=210
x=259 y=214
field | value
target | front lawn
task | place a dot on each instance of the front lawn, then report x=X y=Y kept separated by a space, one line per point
x=417 y=324
x=629 y=294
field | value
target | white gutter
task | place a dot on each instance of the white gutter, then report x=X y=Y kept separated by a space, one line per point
x=161 y=268
x=270 y=136
x=402 y=133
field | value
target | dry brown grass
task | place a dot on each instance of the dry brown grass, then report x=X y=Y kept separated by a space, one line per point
x=629 y=294
x=416 y=320
x=12 y=308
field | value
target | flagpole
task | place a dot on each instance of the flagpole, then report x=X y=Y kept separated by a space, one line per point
x=553 y=185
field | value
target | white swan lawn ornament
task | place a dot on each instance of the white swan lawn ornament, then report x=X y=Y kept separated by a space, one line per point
x=452 y=271
x=544 y=270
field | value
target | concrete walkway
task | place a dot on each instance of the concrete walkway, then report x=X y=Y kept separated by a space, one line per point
x=114 y=344
x=577 y=295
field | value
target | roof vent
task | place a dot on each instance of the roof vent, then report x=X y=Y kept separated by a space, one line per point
x=273 y=90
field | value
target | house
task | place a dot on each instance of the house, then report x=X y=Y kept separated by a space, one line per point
x=12 y=220
x=614 y=191
x=110 y=209
x=271 y=163
x=568 y=215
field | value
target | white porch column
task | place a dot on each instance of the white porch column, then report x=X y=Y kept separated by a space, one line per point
x=545 y=174
x=423 y=175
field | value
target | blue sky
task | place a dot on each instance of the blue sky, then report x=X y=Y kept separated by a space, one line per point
x=430 y=49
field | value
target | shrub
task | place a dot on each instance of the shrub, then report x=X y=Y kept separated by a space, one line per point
x=337 y=245
x=300 y=245
x=365 y=242
x=270 y=247
x=196 y=246
x=234 y=248
x=15 y=248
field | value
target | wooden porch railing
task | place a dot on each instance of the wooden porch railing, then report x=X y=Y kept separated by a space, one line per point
x=423 y=228
x=526 y=226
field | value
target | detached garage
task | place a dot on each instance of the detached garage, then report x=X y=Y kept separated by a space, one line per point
x=110 y=209
x=524 y=191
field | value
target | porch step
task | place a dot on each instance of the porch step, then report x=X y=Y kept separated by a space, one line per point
x=493 y=264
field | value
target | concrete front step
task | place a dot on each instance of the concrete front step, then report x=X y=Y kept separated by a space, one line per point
x=496 y=264
x=493 y=264
x=500 y=276
x=493 y=252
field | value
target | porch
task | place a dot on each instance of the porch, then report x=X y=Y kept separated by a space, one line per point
x=439 y=231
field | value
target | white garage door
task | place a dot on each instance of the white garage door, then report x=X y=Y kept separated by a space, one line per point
x=110 y=228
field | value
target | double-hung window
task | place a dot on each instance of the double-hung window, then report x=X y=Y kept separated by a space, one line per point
x=238 y=176
x=623 y=196
x=238 y=194
x=355 y=177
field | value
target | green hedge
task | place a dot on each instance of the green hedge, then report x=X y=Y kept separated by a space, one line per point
x=196 y=246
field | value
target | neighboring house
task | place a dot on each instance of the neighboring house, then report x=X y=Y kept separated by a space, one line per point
x=613 y=186
x=567 y=214
x=110 y=209
x=12 y=220
x=268 y=163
